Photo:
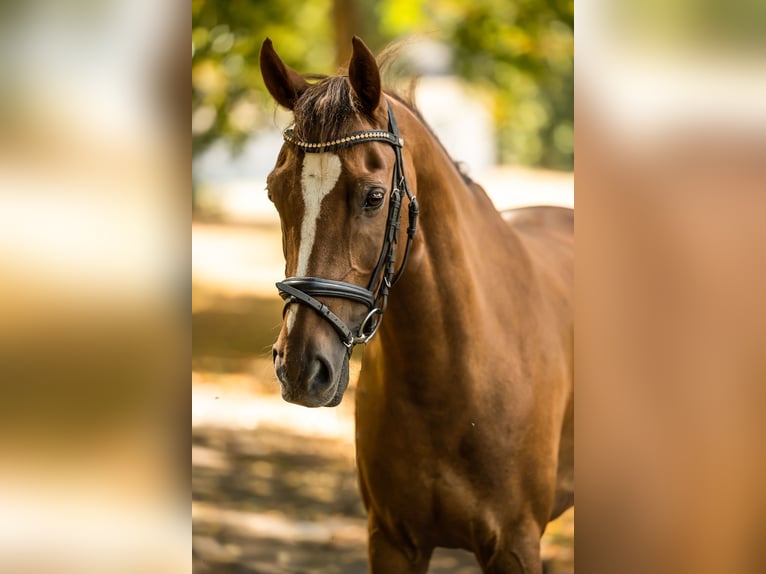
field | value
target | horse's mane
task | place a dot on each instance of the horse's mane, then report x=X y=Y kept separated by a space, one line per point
x=327 y=110
x=414 y=109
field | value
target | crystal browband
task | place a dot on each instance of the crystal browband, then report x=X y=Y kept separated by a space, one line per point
x=349 y=140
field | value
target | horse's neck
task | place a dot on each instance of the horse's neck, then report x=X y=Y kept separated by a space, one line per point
x=460 y=227
x=433 y=310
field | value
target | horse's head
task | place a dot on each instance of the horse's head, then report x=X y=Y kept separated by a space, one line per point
x=335 y=210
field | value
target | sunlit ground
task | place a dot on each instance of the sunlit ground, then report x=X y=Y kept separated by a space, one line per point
x=273 y=484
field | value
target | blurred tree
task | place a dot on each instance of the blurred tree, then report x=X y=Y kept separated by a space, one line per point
x=519 y=51
x=228 y=95
x=525 y=51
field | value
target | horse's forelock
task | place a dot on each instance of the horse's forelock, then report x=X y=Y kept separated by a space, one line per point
x=326 y=110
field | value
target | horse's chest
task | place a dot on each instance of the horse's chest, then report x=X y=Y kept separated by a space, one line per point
x=435 y=507
x=428 y=487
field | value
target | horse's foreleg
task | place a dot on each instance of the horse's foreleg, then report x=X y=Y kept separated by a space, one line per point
x=387 y=557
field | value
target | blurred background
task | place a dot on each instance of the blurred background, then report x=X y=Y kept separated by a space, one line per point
x=94 y=286
x=95 y=257
x=274 y=484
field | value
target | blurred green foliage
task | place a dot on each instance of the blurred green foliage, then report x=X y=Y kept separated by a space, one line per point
x=520 y=52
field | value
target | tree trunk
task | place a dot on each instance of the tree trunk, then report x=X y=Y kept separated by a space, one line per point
x=345 y=15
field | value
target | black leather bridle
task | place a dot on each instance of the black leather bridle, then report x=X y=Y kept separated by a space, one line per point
x=304 y=290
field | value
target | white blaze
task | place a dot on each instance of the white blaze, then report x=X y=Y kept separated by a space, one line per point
x=320 y=173
x=318 y=178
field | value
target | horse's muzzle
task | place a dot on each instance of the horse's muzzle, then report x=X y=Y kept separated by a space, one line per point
x=311 y=379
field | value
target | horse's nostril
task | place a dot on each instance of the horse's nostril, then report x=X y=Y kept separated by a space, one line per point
x=273 y=354
x=322 y=374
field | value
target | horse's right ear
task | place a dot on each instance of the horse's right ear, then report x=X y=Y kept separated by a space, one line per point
x=284 y=84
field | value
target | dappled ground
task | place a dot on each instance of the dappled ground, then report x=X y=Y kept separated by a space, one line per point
x=274 y=485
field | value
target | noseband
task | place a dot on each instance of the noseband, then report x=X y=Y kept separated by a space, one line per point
x=304 y=290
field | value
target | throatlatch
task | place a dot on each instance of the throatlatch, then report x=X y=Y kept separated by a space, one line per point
x=304 y=290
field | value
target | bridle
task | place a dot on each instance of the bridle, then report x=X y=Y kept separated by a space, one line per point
x=304 y=290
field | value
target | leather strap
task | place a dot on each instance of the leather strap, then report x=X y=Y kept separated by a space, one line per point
x=319 y=287
x=292 y=295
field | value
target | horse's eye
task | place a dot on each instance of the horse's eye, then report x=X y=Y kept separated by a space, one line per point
x=374 y=199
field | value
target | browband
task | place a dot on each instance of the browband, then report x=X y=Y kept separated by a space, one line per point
x=347 y=141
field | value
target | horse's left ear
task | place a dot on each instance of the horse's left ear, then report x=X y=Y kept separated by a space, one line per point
x=364 y=76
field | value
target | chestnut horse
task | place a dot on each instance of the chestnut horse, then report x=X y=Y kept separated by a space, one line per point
x=464 y=405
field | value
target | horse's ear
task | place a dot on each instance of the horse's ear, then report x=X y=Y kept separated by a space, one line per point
x=284 y=84
x=364 y=76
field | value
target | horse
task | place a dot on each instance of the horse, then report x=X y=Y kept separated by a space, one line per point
x=465 y=401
